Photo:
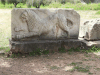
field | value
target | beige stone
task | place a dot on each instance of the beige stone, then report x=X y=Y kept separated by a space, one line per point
x=90 y=30
x=44 y=23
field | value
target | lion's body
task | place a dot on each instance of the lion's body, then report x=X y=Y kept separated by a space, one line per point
x=38 y=26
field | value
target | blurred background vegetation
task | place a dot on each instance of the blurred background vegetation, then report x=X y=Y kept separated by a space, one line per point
x=75 y=4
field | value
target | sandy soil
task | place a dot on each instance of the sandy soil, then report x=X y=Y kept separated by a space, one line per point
x=52 y=64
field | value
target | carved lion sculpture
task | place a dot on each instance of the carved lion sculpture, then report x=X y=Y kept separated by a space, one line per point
x=39 y=26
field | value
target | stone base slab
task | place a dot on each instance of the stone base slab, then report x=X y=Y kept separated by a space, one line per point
x=51 y=45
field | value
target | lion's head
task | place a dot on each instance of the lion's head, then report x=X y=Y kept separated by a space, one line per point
x=24 y=16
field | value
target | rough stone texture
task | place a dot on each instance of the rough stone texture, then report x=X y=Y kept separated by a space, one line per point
x=32 y=24
x=90 y=30
x=83 y=28
x=51 y=45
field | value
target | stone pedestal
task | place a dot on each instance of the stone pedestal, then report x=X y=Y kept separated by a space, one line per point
x=51 y=45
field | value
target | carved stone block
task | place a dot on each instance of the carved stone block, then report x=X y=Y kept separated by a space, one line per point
x=90 y=30
x=31 y=24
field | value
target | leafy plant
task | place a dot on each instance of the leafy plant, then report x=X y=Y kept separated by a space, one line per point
x=31 y=53
x=54 y=67
x=35 y=52
x=62 y=50
x=75 y=63
x=38 y=52
x=74 y=50
x=45 y=52
x=13 y=56
x=93 y=49
x=81 y=69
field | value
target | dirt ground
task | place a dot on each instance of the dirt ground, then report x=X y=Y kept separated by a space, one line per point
x=52 y=64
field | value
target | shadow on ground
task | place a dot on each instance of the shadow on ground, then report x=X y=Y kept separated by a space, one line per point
x=73 y=63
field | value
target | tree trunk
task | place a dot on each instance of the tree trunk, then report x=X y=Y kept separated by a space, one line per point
x=32 y=3
x=38 y=6
x=15 y=4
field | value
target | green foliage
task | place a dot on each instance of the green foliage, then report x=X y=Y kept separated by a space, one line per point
x=6 y=49
x=35 y=52
x=75 y=63
x=95 y=6
x=3 y=2
x=71 y=1
x=38 y=3
x=39 y=52
x=31 y=53
x=45 y=52
x=50 y=4
x=93 y=49
x=55 y=5
x=28 y=5
x=78 y=6
x=62 y=1
x=88 y=1
x=98 y=12
x=81 y=69
x=14 y=2
x=13 y=56
x=62 y=50
x=90 y=73
x=54 y=67
x=74 y=50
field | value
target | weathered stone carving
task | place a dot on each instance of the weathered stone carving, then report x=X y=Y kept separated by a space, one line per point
x=90 y=30
x=45 y=24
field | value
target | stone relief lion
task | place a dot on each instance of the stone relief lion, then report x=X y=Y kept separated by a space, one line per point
x=34 y=25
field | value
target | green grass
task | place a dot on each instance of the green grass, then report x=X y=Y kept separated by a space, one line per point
x=5 y=29
x=35 y=52
x=62 y=50
x=6 y=49
x=78 y=66
x=93 y=49
x=78 y=6
x=90 y=73
x=75 y=63
x=81 y=69
x=54 y=67
x=98 y=12
x=39 y=52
